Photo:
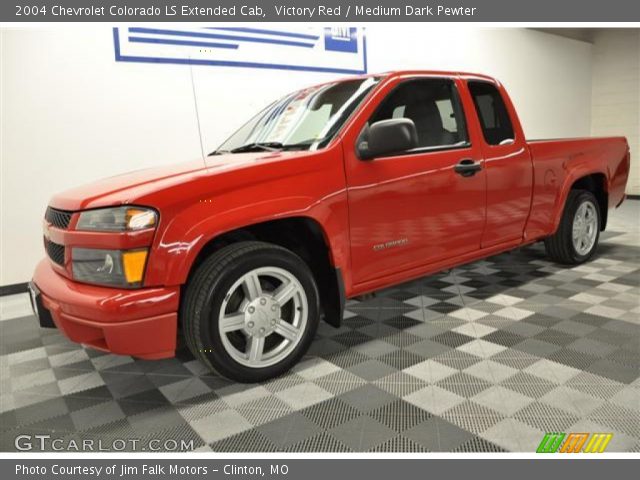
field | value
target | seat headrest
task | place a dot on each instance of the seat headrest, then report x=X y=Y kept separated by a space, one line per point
x=425 y=115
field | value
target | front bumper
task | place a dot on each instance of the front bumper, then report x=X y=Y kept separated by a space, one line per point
x=141 y=323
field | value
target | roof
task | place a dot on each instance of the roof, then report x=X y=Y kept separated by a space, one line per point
x=409 y=73
x=444 y=73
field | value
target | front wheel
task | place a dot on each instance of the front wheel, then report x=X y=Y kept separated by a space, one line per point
x=577 y=237
x=251 y=311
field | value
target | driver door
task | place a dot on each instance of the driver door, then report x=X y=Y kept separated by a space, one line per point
x=414 y=208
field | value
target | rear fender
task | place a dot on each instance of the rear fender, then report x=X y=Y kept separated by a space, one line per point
x=572 y=177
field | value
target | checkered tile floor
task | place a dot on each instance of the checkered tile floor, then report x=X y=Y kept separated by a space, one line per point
x=486 y=357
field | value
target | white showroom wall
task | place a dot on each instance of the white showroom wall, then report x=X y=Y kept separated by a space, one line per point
x=70 y=113
x=616 y=92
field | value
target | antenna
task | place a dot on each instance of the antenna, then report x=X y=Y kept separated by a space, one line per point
x=195 y=103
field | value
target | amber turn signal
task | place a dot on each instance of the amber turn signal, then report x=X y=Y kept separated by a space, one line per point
x=133 y=263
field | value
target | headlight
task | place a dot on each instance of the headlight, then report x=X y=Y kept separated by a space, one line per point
x=109 y=267
x=117 y=219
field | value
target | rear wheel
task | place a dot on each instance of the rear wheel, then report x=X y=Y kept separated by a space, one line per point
x=577 y=237
x=251 y=311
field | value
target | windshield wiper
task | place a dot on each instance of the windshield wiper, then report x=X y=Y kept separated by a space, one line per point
x=258 y=146
x=218 y=152
x=304 y=145
x=266 y=147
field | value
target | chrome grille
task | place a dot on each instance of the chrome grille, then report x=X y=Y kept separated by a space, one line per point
x=58 y=218
x=55 y=252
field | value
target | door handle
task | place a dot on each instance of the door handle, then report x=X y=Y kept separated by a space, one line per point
x=467 y=167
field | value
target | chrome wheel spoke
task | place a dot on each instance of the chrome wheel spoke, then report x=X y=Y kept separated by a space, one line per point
x=582 y=212
x=251 y=285
x=285 y=292
x=577 y=228
x=232 y=322
x=286 y=330
x=256 y=349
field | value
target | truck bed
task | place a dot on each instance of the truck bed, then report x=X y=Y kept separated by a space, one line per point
x=556 y=163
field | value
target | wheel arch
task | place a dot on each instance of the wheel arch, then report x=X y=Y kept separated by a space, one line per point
x=303 y=235
x=594 y=182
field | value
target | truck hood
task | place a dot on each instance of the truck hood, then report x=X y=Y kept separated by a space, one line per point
x=130 y=187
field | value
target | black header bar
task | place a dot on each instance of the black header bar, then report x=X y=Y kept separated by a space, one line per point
x=320 y=11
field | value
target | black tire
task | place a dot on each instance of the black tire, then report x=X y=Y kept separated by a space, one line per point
x=206 y=292
x=560 y=247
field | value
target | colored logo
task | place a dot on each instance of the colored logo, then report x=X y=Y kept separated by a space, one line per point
x=574 y=443
x=341 y=39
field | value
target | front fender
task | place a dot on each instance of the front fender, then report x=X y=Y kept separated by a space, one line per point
x=185 y=236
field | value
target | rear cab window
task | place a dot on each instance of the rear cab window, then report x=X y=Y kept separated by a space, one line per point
x=495 y=122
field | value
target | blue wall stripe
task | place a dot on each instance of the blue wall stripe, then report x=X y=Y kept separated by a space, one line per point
x=306 y=36
x=116 y=43
x=190 y=43
x=365 y=64
x=218 y=36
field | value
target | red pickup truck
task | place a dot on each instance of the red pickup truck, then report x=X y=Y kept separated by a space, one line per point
x=328 y=193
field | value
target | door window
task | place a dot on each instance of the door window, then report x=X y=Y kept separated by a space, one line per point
x=433 y=106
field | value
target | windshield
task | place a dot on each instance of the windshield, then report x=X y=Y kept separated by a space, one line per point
x=304 y=120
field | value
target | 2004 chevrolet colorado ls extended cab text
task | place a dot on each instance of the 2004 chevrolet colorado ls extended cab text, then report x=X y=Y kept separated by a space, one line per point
x=331 y=192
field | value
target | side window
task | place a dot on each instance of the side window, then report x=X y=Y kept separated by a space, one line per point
x=434 y=107
x=492 y=112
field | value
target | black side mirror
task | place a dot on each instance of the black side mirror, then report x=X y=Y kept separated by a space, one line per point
x=386 y=137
